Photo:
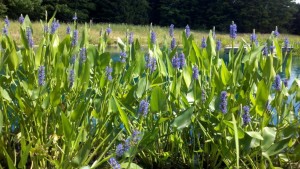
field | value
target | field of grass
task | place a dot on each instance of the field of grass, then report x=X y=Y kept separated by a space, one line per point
x=118 y=30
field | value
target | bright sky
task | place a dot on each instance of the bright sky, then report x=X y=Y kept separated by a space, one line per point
x=298 y=1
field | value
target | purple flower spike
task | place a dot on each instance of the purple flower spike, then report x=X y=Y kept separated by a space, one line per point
x=233 y=30
x=203 y=44
x=219 y=45
x=187 y=31
x=144 y=107
x=277 y=83
x=171 y=31
x=223 y=105
x=21 y=19
x=246 y=116
x=173 y=43
x=195 y=73
x=114 y=163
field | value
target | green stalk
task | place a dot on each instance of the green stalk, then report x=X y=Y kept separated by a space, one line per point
x=236 y=141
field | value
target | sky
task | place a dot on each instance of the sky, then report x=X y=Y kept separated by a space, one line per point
x=298 y=1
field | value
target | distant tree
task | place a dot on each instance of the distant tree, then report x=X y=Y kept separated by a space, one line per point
x=122 y=11
x=66 y=9
x=295 y=25
x=3 y=8
x=17 y=7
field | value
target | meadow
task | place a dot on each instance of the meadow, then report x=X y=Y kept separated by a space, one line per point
x=66 y=102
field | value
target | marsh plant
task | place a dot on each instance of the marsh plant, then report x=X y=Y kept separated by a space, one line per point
x=66 y=103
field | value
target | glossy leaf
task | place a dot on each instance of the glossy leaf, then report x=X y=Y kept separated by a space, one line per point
x=183 y=120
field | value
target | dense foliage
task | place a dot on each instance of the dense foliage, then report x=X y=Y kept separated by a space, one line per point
x=203 y=14
x=70 y=104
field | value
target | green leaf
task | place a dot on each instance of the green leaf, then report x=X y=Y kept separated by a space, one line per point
x=288 y=67
x=261 y=97
x=187 y=76
x=276 y=148
x=236 y=140
x=5 y=95
x=130 y=165
x=103 y=60
x=240 y=131
x=24 y=155
x=1 y=122
x=141 y=87
x=184 y=119
x=225 y=74
x=268 y=71
x=158 y=100
x=255 y=135
x=269 y=134
x=67 y=128
x=82 y=155
x=123 y=115
x=9 y=160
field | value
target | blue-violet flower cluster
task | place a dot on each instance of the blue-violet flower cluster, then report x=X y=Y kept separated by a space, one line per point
x=223 y=105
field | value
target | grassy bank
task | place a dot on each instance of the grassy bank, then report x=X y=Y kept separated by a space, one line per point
x=119 y=30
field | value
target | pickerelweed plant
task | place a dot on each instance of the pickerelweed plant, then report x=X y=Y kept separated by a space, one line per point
x=66 y=103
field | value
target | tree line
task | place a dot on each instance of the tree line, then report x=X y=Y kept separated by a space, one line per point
x=199 y=14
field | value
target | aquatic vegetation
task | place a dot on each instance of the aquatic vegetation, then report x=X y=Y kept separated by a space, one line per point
x=66 y=103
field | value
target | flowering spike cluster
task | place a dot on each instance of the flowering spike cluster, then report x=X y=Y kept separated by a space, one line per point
x=173 y=43
x=176 y=62
x=195 y=73
x=6 y=21
x=71 y=77
x=41 y=75
x=187 y=31
x=272 y=48
x=108 y=30
x=120 y=150
x=150 y=63
x=130 y=141
x=286 y=43
x=144 y=106
x=277 y=83
x=265 y=50
x=108 y=71
x=219 y=45
x=171 y=31
x=73 y=59
x=135 y=138
x=130 y=40
x=75 y=17
x=253 y=37
x=223 y=105
x=285 y=82
x=68 y=31
x=82 y=55
x=153 y=37
x=46 y=29
x=203 y=44
x=5 y=31
x=181 y=60
x=123 y=57
x=54 y=26
x=246 y=116
x=29 y=37
x=75 y=38
x=114 y=163
x=233 y=30
x=21 y=19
